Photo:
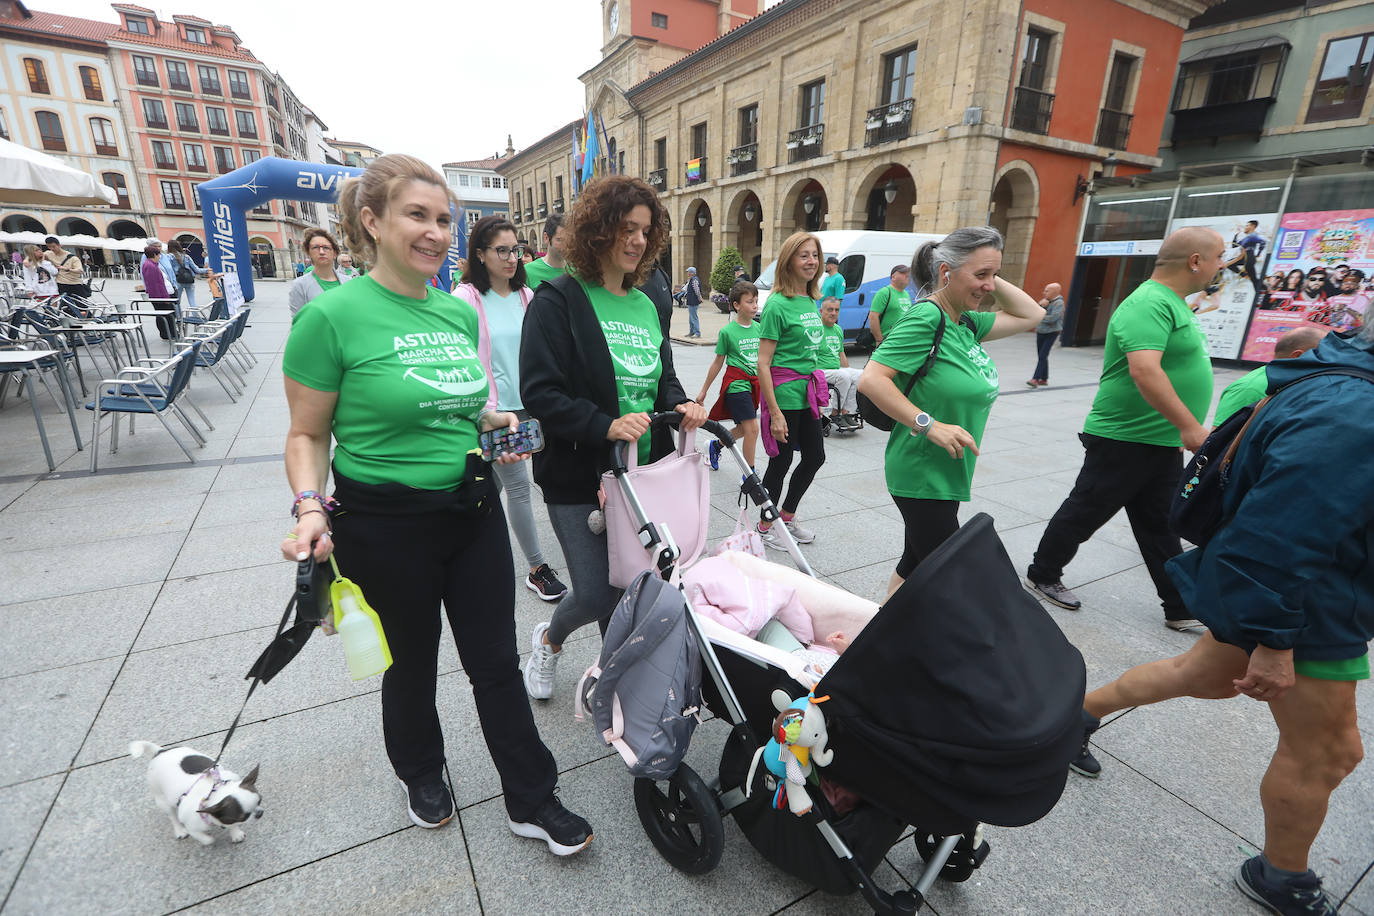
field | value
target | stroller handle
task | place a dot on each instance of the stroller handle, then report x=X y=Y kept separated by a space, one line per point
x=619 y=449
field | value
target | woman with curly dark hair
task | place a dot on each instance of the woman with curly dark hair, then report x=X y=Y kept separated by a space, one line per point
x=594 y=363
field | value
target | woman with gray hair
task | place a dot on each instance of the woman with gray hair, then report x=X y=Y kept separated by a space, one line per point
x=933 y=447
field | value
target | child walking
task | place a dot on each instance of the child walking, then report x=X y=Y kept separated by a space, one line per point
x=737 y=349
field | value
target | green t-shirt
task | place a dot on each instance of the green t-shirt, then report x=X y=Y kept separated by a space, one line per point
x=1243 y=392
x=832 y=342
x=634 y=336
x=1153 y=317
x=795 y=324
x=832 y=285
x=409 y=381
x=740 y=347
x=327 y=285
x=538 y=270
x=958 y=389
x=890 y=305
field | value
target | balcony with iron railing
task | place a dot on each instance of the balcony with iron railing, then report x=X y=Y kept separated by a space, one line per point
x=691 y=176
x=888 y=122
x=743 y=159
x=529 y=214
x=805 y=142
x=180 y=84
x=558 y=205
x=542 y=211
x=278 y=139
x=106 y=149
x=658 y=179
x=145 y=77
x=1113 y=129
x=211 y=87
x=1031 y=109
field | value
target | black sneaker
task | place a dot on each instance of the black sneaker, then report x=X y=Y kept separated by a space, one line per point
x=1054 y=593
x=1300 y=896
x=564 y=832
x=428 y=801
x=545 y=584
x=1086 y=764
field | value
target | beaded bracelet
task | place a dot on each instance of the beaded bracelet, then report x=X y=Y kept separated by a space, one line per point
x=328 y=503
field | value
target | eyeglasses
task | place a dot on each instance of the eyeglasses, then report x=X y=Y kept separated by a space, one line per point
x=321 y=248
x=505 y=254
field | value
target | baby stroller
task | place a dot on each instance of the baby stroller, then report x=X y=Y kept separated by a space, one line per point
x=958 y=703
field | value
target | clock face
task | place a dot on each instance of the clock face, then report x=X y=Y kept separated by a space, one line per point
x=615 y=18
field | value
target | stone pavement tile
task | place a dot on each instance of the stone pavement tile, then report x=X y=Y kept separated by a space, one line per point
x=151 y=445
x=864 y=490
x=115 y=488
x=1107 y=841
x=177 y=693
x=215 y=604
x=9 y=492
x=78 y=567
x=227 y=547
x=1130 y=598
x=46 y=716
x=518 y=875
x=265 y=420
x=842 y=545
x=55 y=632
x=27 y=529
x=326 y=786
x=257 y=446
x=1033 y=497
x=250 y=475
x=231 y=507
x=1162 y=742
x=868 y=582
x=22 y=810
x=376 y=877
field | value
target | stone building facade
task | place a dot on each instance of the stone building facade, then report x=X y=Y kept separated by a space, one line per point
x=900 y=115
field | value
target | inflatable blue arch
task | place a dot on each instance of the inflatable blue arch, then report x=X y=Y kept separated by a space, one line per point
x=226 y=200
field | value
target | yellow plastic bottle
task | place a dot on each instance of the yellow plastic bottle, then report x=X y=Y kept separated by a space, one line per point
x=360 y=629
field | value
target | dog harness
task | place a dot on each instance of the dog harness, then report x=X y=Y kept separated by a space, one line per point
x=215 y=782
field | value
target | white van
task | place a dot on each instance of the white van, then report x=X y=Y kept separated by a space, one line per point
x=866 y=262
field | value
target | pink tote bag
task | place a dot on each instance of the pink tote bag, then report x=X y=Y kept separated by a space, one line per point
x=675 y=491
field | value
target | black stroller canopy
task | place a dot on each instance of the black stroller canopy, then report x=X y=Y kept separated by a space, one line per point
x=962 y=700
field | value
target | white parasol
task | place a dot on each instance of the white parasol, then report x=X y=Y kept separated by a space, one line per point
x=30 y=177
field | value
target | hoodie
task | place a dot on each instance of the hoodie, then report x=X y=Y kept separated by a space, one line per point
x=1294 y=566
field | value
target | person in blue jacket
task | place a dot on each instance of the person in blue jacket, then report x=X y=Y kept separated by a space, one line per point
x=1286 y=589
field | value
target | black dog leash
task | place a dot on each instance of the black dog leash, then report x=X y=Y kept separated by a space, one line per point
x=278 y=653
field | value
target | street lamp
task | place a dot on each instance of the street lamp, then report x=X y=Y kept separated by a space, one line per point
x=750 y=212
x=890 y=191
x=701 y=217
x=809 y=204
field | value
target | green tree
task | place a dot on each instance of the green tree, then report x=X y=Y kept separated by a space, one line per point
x=723 y=274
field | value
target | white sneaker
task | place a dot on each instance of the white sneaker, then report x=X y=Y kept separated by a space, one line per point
x=799 y=534
x=542 y=665
x=770 y=538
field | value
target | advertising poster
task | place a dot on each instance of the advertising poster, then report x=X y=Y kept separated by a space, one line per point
x=1322 y=273
x=1223 y=308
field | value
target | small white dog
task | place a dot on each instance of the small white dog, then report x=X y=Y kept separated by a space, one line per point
x=198 y=795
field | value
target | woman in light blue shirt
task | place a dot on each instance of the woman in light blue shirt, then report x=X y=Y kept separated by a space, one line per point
x=494 y=284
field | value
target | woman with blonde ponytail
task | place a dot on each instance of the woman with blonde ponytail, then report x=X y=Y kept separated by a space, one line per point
x=389 y=366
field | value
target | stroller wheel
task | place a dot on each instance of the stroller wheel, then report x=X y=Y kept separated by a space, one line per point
x=683 y=820
x=961 y=862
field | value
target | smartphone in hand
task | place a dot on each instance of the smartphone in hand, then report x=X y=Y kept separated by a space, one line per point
x=526 y=439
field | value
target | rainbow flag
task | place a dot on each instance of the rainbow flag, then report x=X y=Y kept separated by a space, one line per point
x=693 y=169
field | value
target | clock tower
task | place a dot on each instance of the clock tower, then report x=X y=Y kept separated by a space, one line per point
x=615 y=22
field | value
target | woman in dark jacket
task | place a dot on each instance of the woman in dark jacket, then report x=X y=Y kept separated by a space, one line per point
x=594 y=363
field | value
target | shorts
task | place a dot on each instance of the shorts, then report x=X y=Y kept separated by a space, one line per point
x=741 y=405
x=1334 y=669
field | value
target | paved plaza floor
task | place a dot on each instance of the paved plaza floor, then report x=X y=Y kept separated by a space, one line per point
x=133 y=601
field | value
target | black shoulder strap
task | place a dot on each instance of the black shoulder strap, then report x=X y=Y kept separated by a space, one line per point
x=934 y=349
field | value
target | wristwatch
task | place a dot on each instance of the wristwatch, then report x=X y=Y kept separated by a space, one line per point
x=921 y=425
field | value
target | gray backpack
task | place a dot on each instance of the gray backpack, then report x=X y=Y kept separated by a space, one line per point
x=644 y=694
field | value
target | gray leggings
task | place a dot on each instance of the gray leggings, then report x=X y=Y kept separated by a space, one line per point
x=515 y=480
x=591 y=597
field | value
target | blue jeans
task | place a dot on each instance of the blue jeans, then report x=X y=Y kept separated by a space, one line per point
x=1044 y=343
x=693 y=325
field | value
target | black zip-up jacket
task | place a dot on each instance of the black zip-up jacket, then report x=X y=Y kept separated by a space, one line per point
x=567 y=383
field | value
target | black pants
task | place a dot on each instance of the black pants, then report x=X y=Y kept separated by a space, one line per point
x=803 y=435
x=929 y=523
x=406 y=566
x=74 y=289
x=1044 y=343
x=1118 y=475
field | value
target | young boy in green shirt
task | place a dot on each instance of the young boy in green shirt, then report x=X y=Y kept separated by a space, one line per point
x=737 y=345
